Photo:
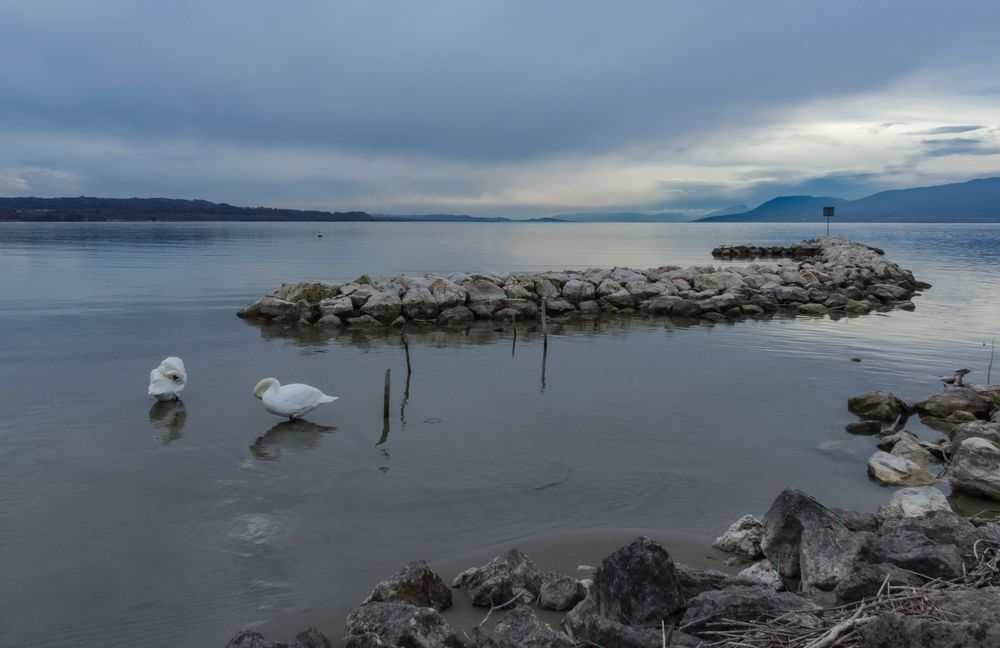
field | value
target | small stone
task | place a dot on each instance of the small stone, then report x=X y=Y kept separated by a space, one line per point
x=743 y=538
x=914 y=502
x=976 y=468
x=867 y=427
x=764 y=573
x=877 y=406
x=560 y=592
x=897 y=471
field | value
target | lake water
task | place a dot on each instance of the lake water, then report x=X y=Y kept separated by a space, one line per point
x=123 y=524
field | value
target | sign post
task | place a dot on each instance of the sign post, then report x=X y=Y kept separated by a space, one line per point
x=828 y=214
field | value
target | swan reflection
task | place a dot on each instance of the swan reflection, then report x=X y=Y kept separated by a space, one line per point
x=288 y=435
x=168 y=418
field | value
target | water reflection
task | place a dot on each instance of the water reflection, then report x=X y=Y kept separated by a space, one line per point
x=474 y=334
x=288 y=435
x=168 y=418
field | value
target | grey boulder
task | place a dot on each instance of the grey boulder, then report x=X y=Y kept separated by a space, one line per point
x=975 y=468
x=503 y=581
x=560 y=592
x=943 y=404
x=726 y=609
x=637 y=584
x=402 y=624
x=415 y=584
x=877 y=406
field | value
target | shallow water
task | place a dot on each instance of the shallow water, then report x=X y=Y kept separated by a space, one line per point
x=125 y=523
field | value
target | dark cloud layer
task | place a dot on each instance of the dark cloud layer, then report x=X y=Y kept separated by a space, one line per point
x=460 y=82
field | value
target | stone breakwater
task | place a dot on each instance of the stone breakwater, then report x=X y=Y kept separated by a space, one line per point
x=827 y=276
x=911 y=574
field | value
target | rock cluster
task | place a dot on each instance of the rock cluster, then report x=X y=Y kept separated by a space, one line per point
x=803 y=250
x=969 y=415
x=831 y=275
x=638 y=591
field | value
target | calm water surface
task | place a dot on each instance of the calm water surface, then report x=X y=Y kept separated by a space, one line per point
x=123 y=524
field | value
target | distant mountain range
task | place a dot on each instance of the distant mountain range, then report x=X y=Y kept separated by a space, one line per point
x=975 y=201
x=155 y=209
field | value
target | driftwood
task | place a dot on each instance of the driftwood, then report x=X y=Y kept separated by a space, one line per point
x=839 y=627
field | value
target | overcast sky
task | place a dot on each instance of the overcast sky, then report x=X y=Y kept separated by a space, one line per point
x=514 y=108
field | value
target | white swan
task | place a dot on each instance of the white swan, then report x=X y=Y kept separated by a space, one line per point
x=167 y=381
x=289 y=400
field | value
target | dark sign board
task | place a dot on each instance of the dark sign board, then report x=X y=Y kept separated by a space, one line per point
x=828 y=212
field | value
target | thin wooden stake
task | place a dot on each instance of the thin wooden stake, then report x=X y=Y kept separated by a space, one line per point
x=989 y=369
x=406 y=347
x=545 y=329
x=513 y=345
x=385 y=397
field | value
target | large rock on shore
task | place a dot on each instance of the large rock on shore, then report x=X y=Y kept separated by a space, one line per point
x=804 y=539
x=976 y=468
x=914 y=502
x=311 y=638
x=589 y=628
x=520 y=628
x=695 y=581
x=944 y=404
x=764 y=574
x=866 y=580
x=503 y=581
x=415 y=584
x=560 y=592
x=988 y=430
x=637 y=584
x=893 y=630
x=400 y=624
x=252 y=639
x=897 y=471
x=726 y=609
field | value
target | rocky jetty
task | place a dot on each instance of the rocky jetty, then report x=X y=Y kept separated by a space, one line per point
x=911 y=574
x=827 y=276
x=968 y=456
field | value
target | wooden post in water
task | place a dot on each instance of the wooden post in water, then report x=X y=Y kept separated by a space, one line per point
x=545 y=343
x=385 y=397
x=513 y=345
x=545 y=330
x=406 y=347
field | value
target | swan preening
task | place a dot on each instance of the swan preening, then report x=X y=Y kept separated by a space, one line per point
x=289 y=400
x=167 y=381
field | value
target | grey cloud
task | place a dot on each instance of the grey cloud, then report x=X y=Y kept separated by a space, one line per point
x=959 y=146
x=944 y=130
x=489 y=80
x=444 y=84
